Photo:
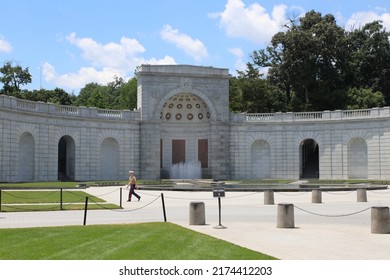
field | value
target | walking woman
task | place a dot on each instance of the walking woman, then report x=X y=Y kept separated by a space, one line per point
x=133 y=184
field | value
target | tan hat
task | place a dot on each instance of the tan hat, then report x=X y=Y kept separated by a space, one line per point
x=131 y=171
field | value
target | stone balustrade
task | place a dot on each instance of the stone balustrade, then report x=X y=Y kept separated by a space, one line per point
x=9 y=102
x=319 y=116
x=49 y=108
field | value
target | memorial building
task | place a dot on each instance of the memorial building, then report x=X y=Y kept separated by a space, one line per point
x=182 y=128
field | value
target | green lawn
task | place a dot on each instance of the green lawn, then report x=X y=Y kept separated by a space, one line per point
x=149 y=241
x=50 y=200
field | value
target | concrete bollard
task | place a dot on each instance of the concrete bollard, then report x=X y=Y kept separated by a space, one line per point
x=285 y=218
x=269 y=197
x=380 y=220
x=316 y=196
x=361 y=195
x=197 y=213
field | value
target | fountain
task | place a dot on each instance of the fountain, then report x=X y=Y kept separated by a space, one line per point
x=186 y=170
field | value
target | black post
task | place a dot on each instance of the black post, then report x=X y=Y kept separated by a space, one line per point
x=163 y=205
x=61 y=199
x=120 y=198
x=219 y=209
x=219 y=226
x=85 y=210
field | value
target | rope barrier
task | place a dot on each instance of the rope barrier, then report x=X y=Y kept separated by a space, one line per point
x=295 y=194
x=333 y=216
x=34 y=197
x=108 y=192
x=340 y=192
x=379 y=192
x=129 y=210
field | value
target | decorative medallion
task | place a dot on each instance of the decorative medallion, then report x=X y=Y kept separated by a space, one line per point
x=190 y=116
x=200 y=116
x=179 y=106
x=189 y=106
x=168 y=116
x=178 y=116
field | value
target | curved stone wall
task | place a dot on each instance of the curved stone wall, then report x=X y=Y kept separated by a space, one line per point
x=48 y=142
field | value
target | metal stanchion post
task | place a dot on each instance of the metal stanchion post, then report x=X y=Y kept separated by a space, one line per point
x=120 y=198
x=163 y=206
x=85 y=210
x=61 y=199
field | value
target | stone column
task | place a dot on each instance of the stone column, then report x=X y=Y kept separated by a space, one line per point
x=285 y=217
x=380 y=220
x=197 y=213
x=269 y=197
x=316 y=196
x=361 y=195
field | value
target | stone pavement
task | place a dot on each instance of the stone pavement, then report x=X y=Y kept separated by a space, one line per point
x=339 y=228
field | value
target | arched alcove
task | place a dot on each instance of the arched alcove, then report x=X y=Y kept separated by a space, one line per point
x=66 y=158
x=357 y=159
x=309 y=159
x=185 y=131
x=26 y=157
x=260 y=159
x=109 y=159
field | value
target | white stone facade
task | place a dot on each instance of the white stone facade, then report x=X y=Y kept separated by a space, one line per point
x=183 y=116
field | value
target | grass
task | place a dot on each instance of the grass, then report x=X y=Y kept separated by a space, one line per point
x=149 y=241
x=18 y=201
x=55 y=184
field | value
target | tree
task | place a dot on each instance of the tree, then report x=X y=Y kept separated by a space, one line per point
x=307 y=61
x=249 y=92
x=364 y=99
x=13 y=77
x=114 y=95
x=127 y=98
x=369 y=61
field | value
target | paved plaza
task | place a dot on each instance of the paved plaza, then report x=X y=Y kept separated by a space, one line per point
x=339 y=228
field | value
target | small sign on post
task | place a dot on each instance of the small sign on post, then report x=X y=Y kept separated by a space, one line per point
x=219 y=191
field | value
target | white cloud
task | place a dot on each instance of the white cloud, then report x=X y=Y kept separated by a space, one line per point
x=80 y=78
x=114 y=55
x=4 y=45
x=106 y=62
x=190 y=46
x=251 y=22
x=239 y=54
x=359 y=19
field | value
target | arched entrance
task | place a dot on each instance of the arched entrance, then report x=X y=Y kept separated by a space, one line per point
x=309 y=160
x=185 y=133
x=66 y=159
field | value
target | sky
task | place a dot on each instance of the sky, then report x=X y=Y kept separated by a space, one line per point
x=68 y=44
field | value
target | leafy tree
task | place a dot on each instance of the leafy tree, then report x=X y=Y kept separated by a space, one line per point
x=305 y=60
x=127 y=98
x=13 y=77
x=369 y=60
x=364 y=99
x=56 y=96
x=114 y=95
x=249 y=92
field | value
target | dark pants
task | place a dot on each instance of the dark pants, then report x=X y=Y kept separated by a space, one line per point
x=131 y=192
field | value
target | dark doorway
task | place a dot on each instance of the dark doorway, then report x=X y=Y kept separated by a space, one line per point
x=178 y=151
x=309 y=159
x=66 y=159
